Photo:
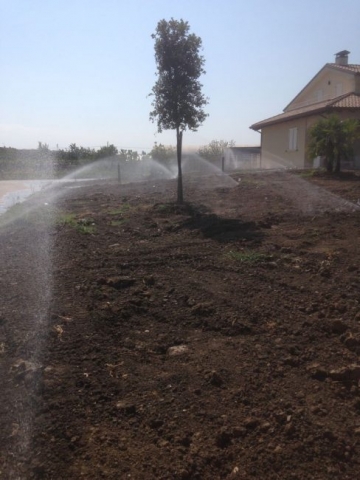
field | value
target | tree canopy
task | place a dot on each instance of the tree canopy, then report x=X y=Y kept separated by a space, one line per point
x=215 y=149
x=162 y=153
x=333 y=139
x=178 y=103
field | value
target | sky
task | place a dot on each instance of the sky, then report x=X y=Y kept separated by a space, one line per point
x=80 y=71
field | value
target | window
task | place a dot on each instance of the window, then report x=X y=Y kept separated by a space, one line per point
x=319 y=95
x=338 y=89
x=293 y=139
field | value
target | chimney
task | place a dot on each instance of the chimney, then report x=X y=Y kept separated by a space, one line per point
x=341 y=58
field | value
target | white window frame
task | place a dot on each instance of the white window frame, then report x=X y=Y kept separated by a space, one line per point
x=293 y=139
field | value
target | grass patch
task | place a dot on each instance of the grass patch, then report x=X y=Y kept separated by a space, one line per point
x=83 y=225
x=246 y=257
x=116 y=223
x=119 y=212
x=67 y=219
x=125 y=207
x=314 y=172
x=164 y=208
x=85 y=229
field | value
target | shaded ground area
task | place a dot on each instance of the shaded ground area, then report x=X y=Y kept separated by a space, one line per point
x=216 y=340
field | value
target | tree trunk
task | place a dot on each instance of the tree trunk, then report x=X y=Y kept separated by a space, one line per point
x=329 y=164
x=180 y=198
x=337 y=164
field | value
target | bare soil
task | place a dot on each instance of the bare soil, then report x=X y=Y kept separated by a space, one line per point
x=217 y=340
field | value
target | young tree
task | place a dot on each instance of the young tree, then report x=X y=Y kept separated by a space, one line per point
x=178 y=102
x=333 y=139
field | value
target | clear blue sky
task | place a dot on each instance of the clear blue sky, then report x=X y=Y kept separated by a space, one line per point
x=79 y=71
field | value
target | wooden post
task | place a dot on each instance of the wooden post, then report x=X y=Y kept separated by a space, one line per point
x=223 y=164
x=119 y=173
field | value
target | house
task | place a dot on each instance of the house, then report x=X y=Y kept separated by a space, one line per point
x=335 y=89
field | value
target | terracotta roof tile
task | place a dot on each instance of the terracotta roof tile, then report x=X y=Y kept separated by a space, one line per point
x=349 y=100
x=351 y=67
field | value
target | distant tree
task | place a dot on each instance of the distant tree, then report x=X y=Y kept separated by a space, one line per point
x=163 y=153
x=74 y=152
x=133 y=156
x=129 y=155
x=106 y=151
x=81 y=154
x=333 y=139
x=43 y=146
x=74 y=156
x=215 y=149
x=178 y=102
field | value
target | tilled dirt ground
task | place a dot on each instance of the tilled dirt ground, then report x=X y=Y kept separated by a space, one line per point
x=218 y=340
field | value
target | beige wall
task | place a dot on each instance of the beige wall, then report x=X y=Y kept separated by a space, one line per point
x=275 y=142
x=325 y=81
x=275 y=145
x=357 y=84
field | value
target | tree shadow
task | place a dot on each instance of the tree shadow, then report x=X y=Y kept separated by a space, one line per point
x=218 y=228
x=347 y=176
x=343 y=175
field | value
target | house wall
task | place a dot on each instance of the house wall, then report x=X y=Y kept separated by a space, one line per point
x=325 y=82
x=275 y=143
x=357 y=84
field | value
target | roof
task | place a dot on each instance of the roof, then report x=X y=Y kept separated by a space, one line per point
x=348 y=101
x=350 y=68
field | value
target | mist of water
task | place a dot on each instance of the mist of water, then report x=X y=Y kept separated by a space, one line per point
x=271 y=161
x=254 y=162
x=127 y=172
x=311 y=199
x=18 y=191
x=149 y=169
x=22 y=365
x=201 y=170
x=241 y=161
